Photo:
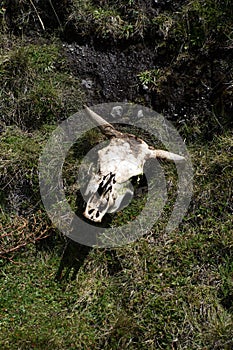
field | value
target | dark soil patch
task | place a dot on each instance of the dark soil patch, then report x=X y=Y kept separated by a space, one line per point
x=110 y=75
x=197 y=87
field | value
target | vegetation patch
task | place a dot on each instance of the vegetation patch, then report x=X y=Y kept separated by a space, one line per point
x=37 y=87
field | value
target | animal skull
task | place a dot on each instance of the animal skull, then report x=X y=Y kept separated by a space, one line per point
x=123 y=158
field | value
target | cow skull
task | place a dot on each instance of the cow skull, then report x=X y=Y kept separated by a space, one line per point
x=123 y=158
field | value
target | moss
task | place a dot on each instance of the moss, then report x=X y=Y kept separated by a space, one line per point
x=37 y=87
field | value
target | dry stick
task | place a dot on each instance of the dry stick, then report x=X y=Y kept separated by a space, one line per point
x=37 y=13
x=21 y=245
x=59 y=22
x=25 y=239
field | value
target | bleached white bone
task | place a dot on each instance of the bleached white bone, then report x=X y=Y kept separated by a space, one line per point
x=123 y=158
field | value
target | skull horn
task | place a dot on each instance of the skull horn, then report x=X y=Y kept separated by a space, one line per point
x=106 y=128
x=157 y=153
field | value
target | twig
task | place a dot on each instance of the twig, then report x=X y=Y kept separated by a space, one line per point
x=59 y=22
x=37 y=13
x=20 y=234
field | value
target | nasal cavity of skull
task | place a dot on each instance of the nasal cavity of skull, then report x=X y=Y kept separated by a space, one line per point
x=92 y=214
x=90 y=211
x=106 y=184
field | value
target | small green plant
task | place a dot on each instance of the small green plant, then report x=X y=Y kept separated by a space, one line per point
x=155 y=78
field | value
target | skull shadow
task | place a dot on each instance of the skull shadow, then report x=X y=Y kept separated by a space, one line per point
x=75 y=254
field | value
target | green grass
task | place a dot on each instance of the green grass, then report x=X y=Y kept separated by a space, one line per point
x=195 y=24
x=36 y=85
x=108 y=20
x=165 y=291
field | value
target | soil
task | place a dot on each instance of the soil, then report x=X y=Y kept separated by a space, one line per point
x=110 y=74
x=195 y=87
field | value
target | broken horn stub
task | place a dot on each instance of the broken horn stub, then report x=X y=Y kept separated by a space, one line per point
x=106 y=128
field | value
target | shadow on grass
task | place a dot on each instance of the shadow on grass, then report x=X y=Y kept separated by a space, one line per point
x=74 y=256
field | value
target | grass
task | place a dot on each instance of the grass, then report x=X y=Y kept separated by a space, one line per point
x=162 y=296
x=37 y=87
x=108 y=20
x=164 y=291
x=193 y=25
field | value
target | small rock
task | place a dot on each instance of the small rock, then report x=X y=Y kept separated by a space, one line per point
x=87 y=83
x=117 y=112
x=140 y=114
